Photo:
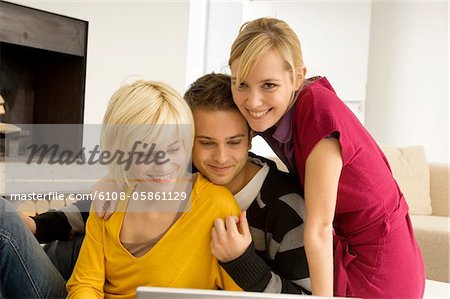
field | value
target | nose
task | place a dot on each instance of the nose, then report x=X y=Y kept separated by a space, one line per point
x=161 y=166
x=254 y=99
x=220 y=154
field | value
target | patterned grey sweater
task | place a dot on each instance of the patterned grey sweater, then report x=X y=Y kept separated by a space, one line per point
x=275 y=262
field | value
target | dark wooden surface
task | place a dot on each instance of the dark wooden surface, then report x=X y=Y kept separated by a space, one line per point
x=38 y=29
x=43 y=69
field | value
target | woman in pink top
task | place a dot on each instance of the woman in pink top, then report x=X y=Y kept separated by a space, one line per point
x=358 y=236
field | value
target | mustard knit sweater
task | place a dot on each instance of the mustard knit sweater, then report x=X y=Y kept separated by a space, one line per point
x=181 y=258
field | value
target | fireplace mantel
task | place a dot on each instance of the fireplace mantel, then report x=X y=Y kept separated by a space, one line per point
x=38 y=29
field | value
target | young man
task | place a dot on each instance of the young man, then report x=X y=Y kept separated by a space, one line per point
x=267 y=255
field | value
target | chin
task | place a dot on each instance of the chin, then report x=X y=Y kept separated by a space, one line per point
x=219 y=181
x=258 y=127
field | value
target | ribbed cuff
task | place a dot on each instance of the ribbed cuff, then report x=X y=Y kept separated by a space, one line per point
x=249 y=271
x=51 y=226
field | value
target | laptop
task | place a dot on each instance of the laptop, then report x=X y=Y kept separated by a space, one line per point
x=175 y=293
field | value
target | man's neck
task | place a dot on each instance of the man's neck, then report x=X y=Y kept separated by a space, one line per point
x=249 y=171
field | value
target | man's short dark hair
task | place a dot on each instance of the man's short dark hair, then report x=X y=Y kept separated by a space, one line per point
x=211 y=92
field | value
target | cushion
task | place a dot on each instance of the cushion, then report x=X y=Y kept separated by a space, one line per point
x=432 y=235
x=410 y=169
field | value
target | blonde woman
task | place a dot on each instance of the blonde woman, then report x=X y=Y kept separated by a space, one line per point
x=160 y=234
x=358 y=236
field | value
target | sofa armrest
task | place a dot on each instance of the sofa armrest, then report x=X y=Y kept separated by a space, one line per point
x=439 y=189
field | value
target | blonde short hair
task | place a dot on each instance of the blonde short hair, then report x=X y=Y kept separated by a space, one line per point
x=132 y=109
x=260 y=36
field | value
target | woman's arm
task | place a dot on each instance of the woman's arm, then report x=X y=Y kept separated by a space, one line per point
x=322 y=172
x=88 y=277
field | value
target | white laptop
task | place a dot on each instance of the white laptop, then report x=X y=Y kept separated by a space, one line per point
x=433 y=289
x=174 y=293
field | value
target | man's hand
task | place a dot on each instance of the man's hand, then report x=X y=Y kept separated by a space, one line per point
x=104 y=208
x=230 y=238
x=29 y=222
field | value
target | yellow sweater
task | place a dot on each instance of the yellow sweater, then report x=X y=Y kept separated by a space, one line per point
x=181 y=258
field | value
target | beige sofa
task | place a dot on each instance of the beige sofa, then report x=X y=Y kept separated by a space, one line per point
x=433 y=231
x=426 y=189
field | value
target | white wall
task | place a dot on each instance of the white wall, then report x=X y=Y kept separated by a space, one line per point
x=126 y=41
x=224 y=21
x=407 y=90
x=197 y=34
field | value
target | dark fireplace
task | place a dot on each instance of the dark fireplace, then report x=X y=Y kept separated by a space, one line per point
x=42 y=71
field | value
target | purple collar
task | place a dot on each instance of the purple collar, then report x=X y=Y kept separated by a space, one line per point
x=283 y=132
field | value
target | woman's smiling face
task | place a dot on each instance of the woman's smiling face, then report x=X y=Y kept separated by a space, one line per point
x=267 y=92
x=161 y=163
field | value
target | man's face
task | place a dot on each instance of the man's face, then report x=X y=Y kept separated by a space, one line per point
x=221 y=147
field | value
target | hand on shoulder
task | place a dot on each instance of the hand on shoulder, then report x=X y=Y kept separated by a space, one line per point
x=101 y=193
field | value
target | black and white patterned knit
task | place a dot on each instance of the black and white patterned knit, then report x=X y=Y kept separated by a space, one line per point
x=275 y=262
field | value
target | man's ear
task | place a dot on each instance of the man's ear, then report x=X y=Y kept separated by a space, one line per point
x=251 y=133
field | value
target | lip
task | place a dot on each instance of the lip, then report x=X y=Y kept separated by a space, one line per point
x=162 y=178
x=257 y=115
x=219 y=169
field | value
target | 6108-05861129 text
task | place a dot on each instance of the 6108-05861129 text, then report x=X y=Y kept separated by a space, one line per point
x=141 y=195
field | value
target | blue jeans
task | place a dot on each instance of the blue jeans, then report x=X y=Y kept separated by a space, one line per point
x=25 y=269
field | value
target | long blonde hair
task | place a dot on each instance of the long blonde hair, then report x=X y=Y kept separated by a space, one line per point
x=260 y=36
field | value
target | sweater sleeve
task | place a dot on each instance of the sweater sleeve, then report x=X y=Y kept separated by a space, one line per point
x=88 y=277
x=52 y=225
x=77 y=215
x=252 y=274
x=249 y=271
x=222 y=204
x=61 y=224
x=275 y=262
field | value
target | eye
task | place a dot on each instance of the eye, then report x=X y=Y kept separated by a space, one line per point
x=206 y=143
x=173 y=150
x=269 y=85
x=234 y=142
x=146 y=155
x=242 y=86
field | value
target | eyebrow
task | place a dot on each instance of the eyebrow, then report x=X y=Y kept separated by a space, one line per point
x=228 y=138
x=233 y=80
x=203 y=137
x=175 y=142
x=270 y=80
x=236 y=136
